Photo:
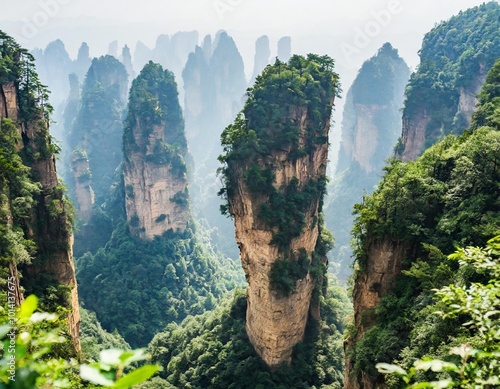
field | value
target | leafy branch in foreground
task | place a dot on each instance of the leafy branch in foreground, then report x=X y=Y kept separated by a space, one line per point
x=477 y=367
x=32 y=355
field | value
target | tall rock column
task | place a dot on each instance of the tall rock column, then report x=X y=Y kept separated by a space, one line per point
x=35 y=216
x=275 y=164
x=154 y=144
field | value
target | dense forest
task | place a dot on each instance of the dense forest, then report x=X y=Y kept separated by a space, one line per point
x=175 y=274
x=454 y=59
x=155 y=269
x=447 y=198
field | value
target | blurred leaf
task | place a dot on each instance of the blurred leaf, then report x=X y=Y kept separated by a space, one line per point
x=136 y=377
x=28 y=306
x=94 y=376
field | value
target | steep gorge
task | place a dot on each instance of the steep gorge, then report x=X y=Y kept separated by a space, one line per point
x=275 y=174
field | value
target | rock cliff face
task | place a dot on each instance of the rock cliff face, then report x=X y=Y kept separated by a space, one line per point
x=82 y=175
x=155 y=173
x=371 y=120
x=214 y=86
x=47 y=222
x=441 y=95
x=97 y=132
x=363 y=144
x=384 y=264
x=275 y=324
x=371 y=124
x=261 y=57
x=275 y=208
x=417 y=126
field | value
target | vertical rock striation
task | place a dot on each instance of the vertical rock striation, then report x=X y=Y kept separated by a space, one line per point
x=275 y=165
x=97 y=131
x=155 y=146
x=441 y=95
x=371 y=125
x=33 y=209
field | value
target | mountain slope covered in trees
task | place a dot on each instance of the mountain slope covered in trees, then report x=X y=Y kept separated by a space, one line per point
x=454 y=59
x=371 y=125
x=151 y=272
x=421 y=211
x=35 y=214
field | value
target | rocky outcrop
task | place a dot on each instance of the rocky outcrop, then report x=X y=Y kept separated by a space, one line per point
x=384 y=262
x=152 y=191
x=418 y=127
x=126 y=60
x=285 y=48
x=440 y=96
x=275 y=324
x=275 y=197
x=8 y=101
x=371 y=124
x=413 y=135
x=83 y=61
x=467 y=100
x=362 y=147
x=154 y=171
x=214 y=86
x=97 y=130
x=49 y=224
x=82 y=176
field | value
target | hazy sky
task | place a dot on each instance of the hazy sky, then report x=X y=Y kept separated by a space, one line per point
x=336 y=24
x=350 y=31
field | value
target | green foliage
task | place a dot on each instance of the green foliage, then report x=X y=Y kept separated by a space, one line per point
x=17 y=65
x=454 y=56
x=17 y=199
x=213 y=350
x=476 y=304
x=181 y=198
x=35 y=342
x=109 y=370
x=488 y=113
x=153 y=101
x=34 y=354
x=447 y=198
x=286 y=272
x=162 y=280
x=94 y=339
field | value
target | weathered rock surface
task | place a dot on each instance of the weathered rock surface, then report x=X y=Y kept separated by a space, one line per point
x=155 y=176
x=275 y=324
x=80 y=168
x=150 y=189
x=384 y=264
x=52 y=235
